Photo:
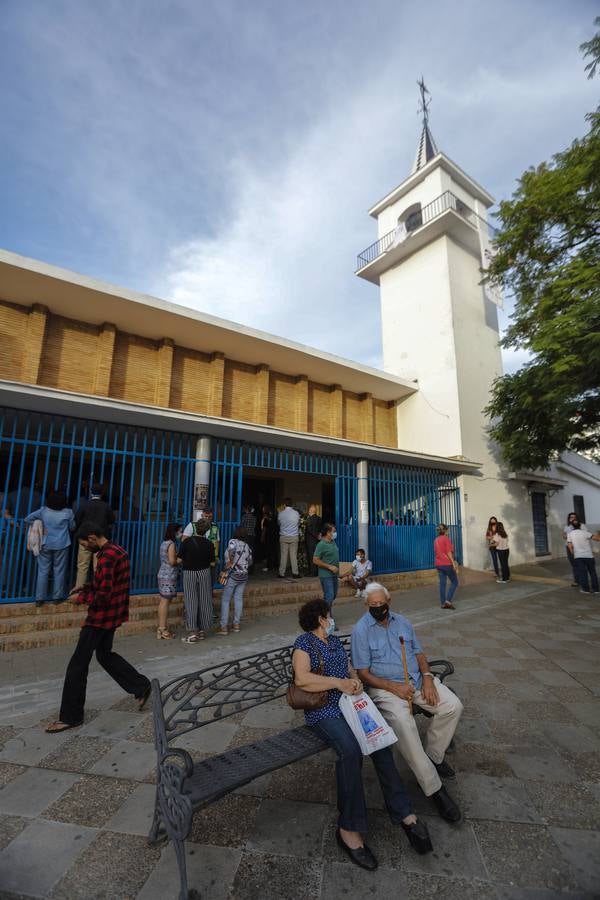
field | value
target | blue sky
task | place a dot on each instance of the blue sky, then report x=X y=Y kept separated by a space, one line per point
x=224 y=154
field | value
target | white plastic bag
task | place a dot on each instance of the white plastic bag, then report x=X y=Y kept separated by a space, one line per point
x=366 y=722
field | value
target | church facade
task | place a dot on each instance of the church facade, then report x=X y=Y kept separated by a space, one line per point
x=173 y=410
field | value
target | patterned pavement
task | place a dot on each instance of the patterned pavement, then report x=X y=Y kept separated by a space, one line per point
x=75 y=808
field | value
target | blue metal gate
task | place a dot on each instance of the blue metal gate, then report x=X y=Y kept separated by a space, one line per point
x=146 y=475
x=540 y=526
x=405 y=505
x=230 y=460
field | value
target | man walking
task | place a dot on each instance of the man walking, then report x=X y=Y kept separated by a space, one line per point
x=93 y=510
x=584 y=565
x=289 y=520
x=327 y=561
x=108 y=607
x=385 y=650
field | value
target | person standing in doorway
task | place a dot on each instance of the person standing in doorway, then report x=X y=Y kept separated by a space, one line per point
x=580 y=541
x=572 y=517
x=313 y=534
x=489 y=536
x=248 y=521
x=327 y=561
x=58 y=521
x=93 y=510
x=289 y=524
x=269 y=540
x=107 y=598
x=501 y=544
x=446 y=565
x=197 y=555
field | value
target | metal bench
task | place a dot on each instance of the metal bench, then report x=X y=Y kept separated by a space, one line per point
x=209 y=695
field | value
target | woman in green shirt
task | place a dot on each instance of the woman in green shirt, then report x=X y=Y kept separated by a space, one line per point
x=327 y=561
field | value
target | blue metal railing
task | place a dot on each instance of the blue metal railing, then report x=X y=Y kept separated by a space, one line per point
x=146 y=475
x=416 y=220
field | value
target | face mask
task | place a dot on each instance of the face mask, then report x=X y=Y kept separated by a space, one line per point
x=330 y=627
x=359 y=558
x=178 y=535
x=379 y=613
x=333 y=535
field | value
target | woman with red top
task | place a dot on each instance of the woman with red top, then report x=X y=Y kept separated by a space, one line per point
x=490 y=538
x=446 y=566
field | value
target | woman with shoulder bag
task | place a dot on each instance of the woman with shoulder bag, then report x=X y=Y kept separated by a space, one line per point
x=196 y=555
x=234 y=577
x=320 y=664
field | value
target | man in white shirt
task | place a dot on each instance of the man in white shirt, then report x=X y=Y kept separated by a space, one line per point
x=288 y=520
x=580 y=545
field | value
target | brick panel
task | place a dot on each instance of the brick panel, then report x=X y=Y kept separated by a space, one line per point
x=282 y=399
x=69 y=355
x=385 y=423
x=352 y=417
x=13 y=326
x=319 y=408
x=134 y=370
x=190 y=380
x=239 y=385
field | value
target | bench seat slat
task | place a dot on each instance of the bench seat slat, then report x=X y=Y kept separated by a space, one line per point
x=215 y=777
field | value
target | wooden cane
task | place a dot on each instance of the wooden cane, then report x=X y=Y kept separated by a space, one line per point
x=405 y=670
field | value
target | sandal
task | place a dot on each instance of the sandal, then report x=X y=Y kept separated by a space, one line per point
x=193 y=638
x=57 y=727
x=163 y=634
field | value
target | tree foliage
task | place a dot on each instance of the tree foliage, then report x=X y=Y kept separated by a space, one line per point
x=548 y=258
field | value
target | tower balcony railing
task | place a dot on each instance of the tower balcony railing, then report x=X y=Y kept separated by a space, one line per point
x=418 y=219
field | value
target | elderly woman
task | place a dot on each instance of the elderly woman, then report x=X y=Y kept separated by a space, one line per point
x=316 y=648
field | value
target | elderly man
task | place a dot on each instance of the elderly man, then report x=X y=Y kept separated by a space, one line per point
x=377 y=658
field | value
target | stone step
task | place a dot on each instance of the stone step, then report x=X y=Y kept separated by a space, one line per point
x=25 y=626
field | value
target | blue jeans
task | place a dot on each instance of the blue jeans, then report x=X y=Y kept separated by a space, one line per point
x=447 y=572
x=348 y=771
x=329 y=586
x=584 y=567
x=55 y=561
x=236 y=590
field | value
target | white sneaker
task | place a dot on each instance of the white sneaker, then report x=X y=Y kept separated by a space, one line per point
x=500 y=581
x=358 y=592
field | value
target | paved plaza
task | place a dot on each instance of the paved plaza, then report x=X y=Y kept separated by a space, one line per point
x=75 y=808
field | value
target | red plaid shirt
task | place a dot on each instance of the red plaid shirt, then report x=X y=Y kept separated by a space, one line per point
x=108 y=595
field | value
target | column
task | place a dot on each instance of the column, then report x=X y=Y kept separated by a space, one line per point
x=368 y=427
x=336 y=411
x=215 y=386
x=104 y=359
x=301 y=403
x=34 y=342
x=201 y=476
x=362 y=475
x=261 y=394
x=162 y=393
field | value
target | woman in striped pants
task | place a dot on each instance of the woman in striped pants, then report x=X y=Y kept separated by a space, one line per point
x=197 y=555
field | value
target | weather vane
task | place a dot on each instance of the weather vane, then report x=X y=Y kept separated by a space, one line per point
x=424 y=104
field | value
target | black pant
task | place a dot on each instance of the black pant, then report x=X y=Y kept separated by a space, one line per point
x=503 y=560
x=99 y=640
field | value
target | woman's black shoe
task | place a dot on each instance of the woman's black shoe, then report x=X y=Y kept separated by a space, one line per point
x=418 y=837
x=361 y=857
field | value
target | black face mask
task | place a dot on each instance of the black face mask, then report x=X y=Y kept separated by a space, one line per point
x=379 y=613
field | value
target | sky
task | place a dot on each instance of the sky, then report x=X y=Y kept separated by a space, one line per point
x=223 y=154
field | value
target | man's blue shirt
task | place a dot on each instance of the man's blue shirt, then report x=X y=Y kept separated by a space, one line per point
x=377 y=648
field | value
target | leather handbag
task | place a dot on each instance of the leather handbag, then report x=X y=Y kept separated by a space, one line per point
x=298 y=698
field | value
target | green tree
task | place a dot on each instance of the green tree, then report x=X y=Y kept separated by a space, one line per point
x=548 y=259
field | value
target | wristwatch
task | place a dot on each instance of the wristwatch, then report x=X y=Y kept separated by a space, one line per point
x=431 y=675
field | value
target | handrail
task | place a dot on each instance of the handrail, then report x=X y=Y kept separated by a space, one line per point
x=416 y=220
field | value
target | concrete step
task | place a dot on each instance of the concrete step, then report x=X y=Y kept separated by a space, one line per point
x=24 y=626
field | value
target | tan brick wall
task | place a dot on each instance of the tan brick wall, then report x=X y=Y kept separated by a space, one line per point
x=190 y=381
x=13 y=329
x=37 y=347
x=69 y=355
x=134 y=370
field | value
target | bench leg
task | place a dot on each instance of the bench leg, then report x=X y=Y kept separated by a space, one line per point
x=180 y=855
x=158 y=833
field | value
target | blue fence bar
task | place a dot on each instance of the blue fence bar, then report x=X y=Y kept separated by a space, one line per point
x=146 y=475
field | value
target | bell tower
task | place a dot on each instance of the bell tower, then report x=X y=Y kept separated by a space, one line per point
x=439 y=323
